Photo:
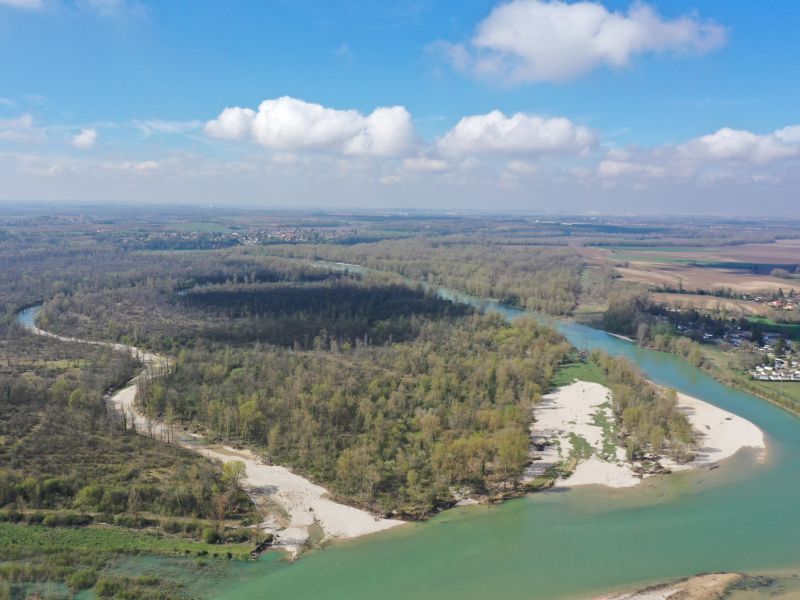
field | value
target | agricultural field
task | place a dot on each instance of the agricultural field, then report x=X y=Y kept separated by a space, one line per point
x=733 y=307
x=743 y=268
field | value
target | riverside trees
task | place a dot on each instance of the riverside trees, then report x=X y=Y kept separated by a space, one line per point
x=392 y=427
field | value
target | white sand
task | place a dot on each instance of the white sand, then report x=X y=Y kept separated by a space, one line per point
x=571 y=410
x=721 y=434
x=305 y=503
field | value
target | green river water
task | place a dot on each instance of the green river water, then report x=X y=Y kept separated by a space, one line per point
x=744 y=516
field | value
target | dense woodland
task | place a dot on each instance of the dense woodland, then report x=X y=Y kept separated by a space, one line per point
x=62 y=450
x=318 y=307
x=392 y=427
x=539 y=278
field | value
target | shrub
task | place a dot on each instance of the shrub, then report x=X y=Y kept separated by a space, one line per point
x=66 y=520
x=236 y=536
x=89 y=497
x=211 y=535
x=82 y=580
x=134 y=522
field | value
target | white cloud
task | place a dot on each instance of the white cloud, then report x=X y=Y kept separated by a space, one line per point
x=790 y=135
x=85 y=139
x=519 y=134
x=290 y=124
x=521 y=167
x=615 y=168
x=726 y=154
x=138 y=166
x=20 y=129
x=534 y=40
x=423 y=163
x=232 y=124
x=737 y=145
x=24 y=4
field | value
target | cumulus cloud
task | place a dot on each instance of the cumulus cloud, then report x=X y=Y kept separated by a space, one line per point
x=20 y=129
x=724 y=154
x=535 y=40
x=289 y=124
x=85 y=139
x=232 y=124
x=737 y=145
x=519 y=134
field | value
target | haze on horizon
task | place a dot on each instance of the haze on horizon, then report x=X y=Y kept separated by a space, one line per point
x=687 y=106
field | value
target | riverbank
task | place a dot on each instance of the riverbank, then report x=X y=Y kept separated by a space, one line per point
x=712 y=586
x=574 y=435
x=297 y=510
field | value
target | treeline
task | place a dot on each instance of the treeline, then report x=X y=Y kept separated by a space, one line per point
x=38 y=265
x=631 y=313
x=648 y=416
x=545 y=279
x=392 y=427
x=340 y=309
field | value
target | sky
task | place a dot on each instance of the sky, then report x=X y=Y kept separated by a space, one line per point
x=685 y=106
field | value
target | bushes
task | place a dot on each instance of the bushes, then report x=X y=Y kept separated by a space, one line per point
x=211 y=535
x=190 y=528
x=134 y=522
x=89 y=497
x=82 y=580
x=66 y=520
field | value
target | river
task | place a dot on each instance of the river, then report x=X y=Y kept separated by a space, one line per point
x=744 y=516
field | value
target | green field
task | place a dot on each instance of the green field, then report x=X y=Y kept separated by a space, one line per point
x=722 y=365
x=99 y=538
x=582 y=371
x=789 y=330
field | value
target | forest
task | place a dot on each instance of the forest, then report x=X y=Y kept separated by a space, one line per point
x=540 y=278
x=391 y=427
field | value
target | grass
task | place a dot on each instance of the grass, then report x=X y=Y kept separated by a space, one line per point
x=609 y=427
x=790 y=330
x=99 y=538
x=582 y=371
x=721 y=365
x=581 y=449
x=36 y=558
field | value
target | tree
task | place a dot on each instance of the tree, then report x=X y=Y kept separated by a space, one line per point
x=232 y=473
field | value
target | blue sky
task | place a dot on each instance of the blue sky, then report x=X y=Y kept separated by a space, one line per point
x=673 y=106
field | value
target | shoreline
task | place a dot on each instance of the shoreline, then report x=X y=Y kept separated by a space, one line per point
x=708 y=586
x=305 y=508
x=574 y=432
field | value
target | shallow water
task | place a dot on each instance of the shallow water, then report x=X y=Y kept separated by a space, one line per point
x=744 y=516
